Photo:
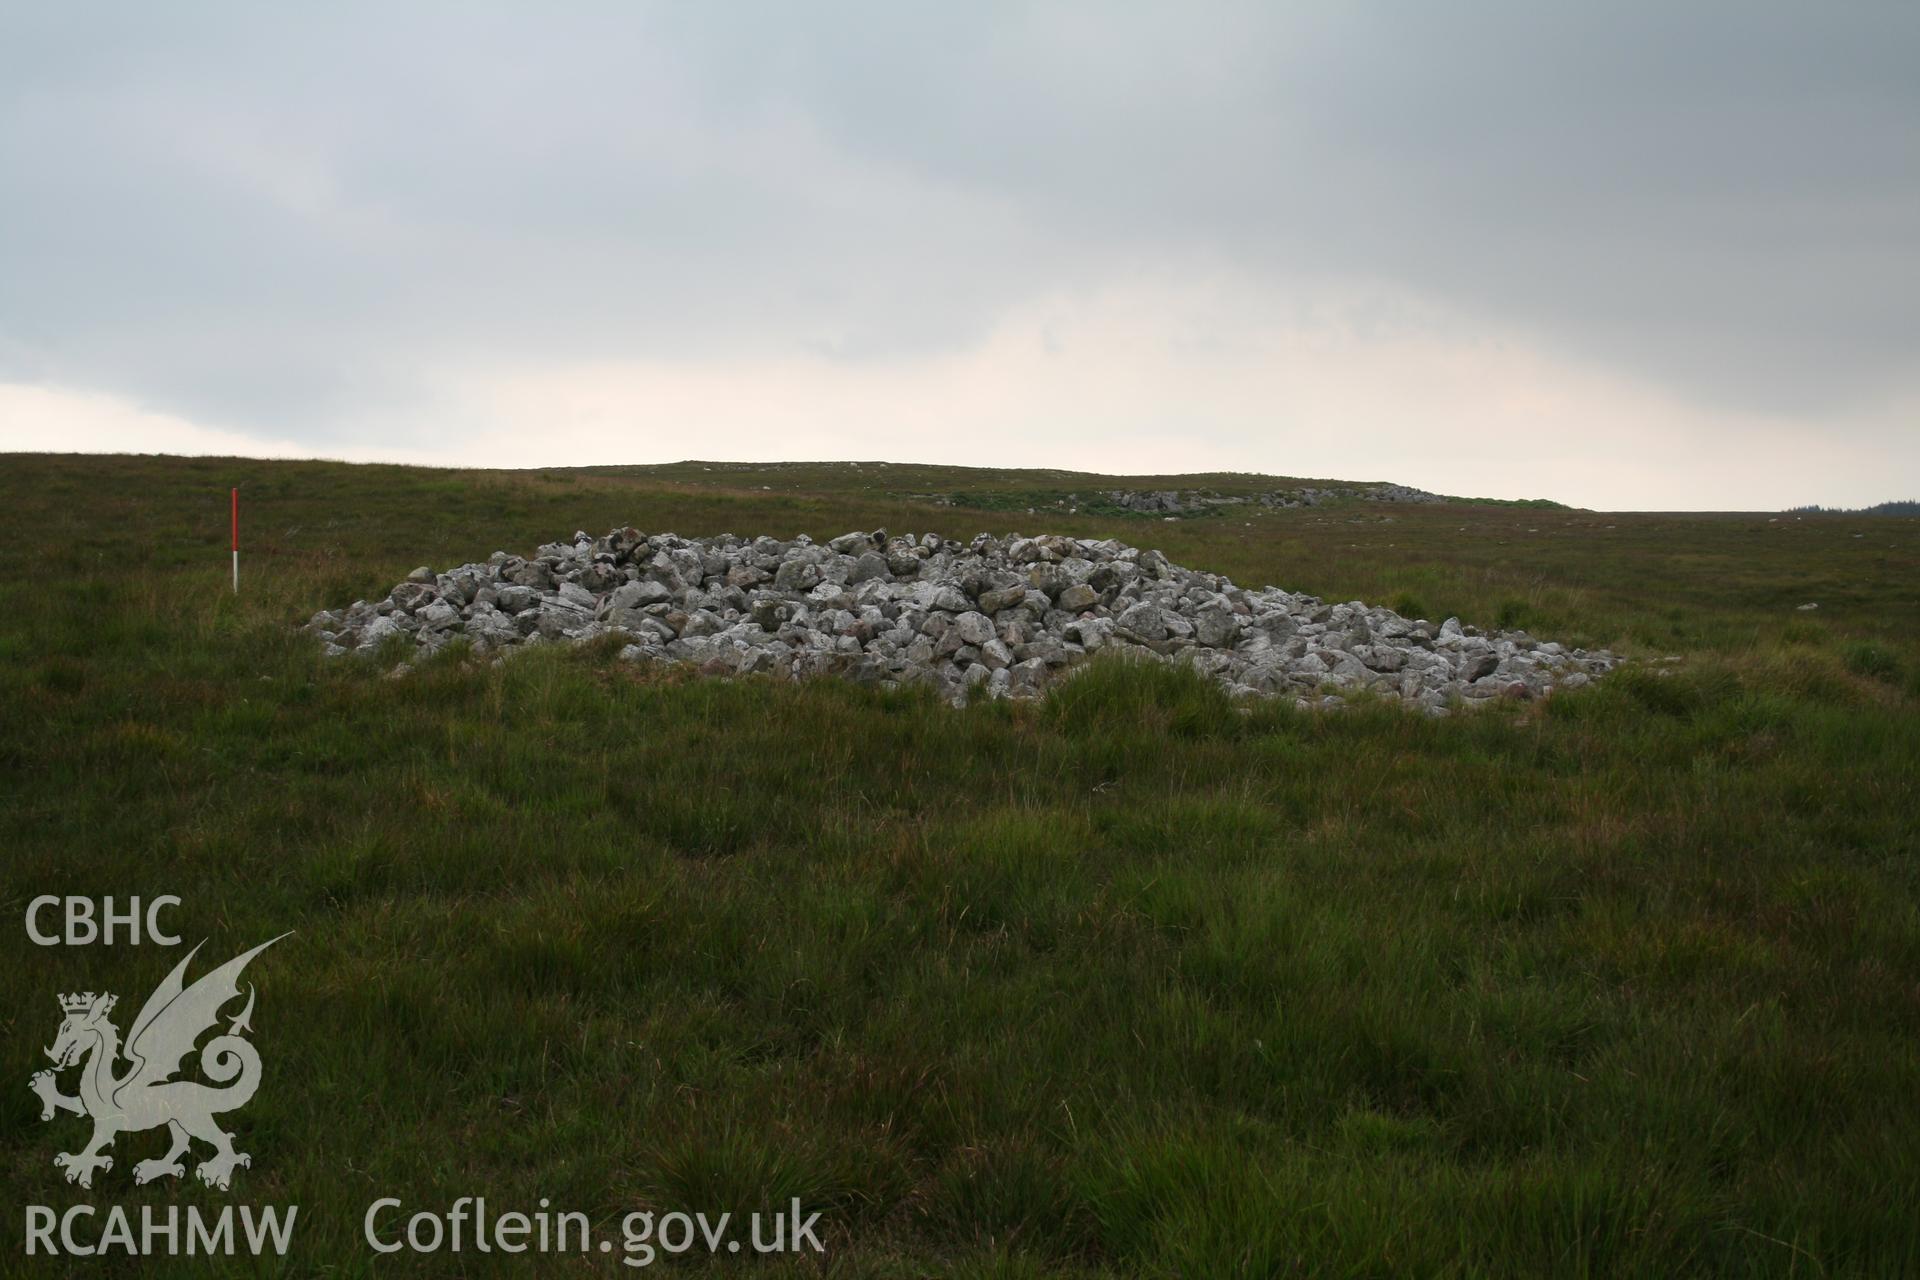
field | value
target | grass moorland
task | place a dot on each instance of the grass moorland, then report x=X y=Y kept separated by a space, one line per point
x=1127 y=982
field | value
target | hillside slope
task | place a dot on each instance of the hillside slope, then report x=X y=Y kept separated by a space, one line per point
x=1626 y=982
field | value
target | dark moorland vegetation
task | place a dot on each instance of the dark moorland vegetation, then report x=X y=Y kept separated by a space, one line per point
x=1626 y=983
x=1897 y=508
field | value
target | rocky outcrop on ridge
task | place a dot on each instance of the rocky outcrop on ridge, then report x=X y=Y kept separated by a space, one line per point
x=1007 y=615
x=1173 y=504
x=1188 y=501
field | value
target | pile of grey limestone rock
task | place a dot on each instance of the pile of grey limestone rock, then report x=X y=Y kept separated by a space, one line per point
x=1008 y=615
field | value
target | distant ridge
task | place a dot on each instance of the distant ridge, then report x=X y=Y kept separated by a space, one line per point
x=1902 y=508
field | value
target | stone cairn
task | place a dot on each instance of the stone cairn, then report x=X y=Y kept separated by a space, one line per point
x=1008 y=615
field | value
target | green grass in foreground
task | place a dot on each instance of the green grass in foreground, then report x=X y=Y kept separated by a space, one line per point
x=1128 y=982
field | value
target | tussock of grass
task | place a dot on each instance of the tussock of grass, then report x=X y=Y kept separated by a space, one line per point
x=1138 y=697
x=1868 y=658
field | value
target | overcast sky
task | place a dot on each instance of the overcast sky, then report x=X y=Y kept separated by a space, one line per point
x=1632 y=256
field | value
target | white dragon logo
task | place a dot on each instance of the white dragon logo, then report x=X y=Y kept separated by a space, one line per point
x=173 y=1018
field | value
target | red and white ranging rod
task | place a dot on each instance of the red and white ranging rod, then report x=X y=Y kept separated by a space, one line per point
x=236 y=542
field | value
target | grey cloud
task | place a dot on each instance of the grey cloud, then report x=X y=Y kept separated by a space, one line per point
x=1724 y=196
x=269 y=218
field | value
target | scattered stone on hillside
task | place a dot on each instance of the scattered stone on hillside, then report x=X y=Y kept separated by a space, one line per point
x=1173 y=504
x=1011 y=614
x=1191 y=501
